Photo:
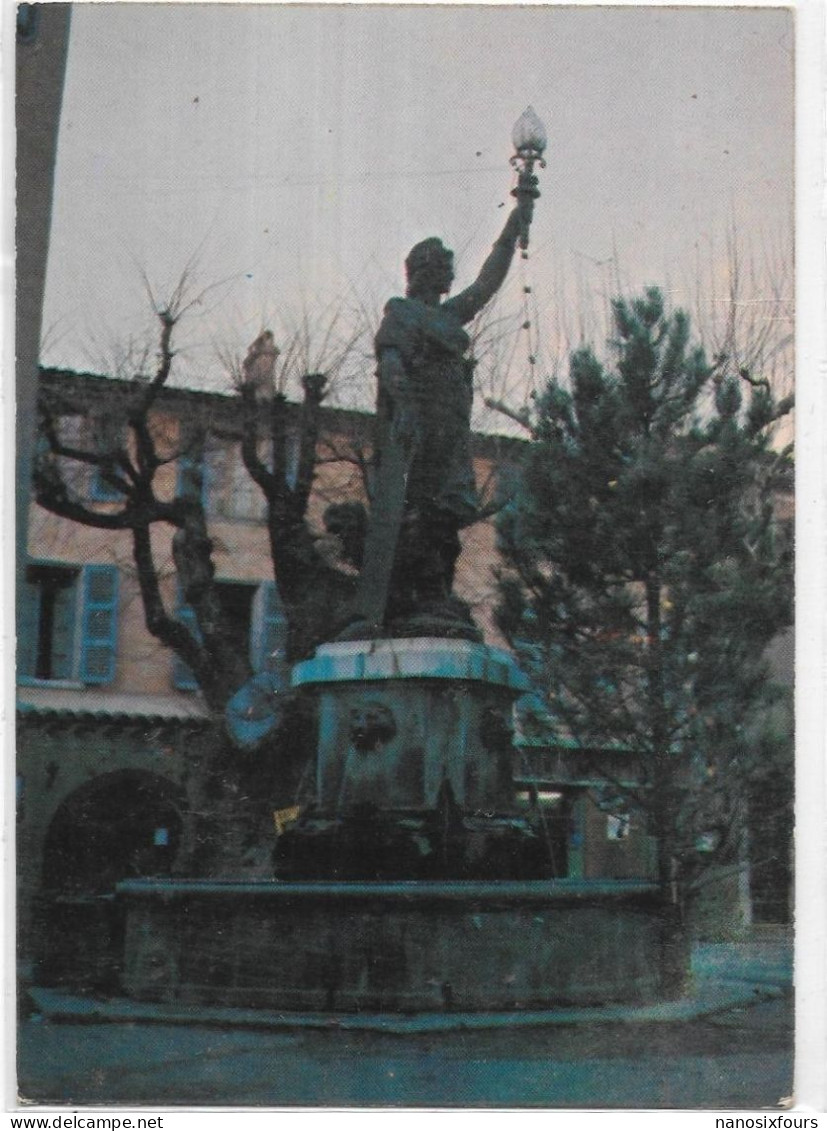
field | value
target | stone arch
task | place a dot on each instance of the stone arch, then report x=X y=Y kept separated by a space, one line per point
x=120 y=824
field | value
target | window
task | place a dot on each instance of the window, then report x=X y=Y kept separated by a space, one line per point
x=88 y=434
x=232 y=491
x=256 y=621
x=102 y=491
x=291 y=470
x=68 y=623
x=71 y=430
x=192 y=479
x=236 y=600
x=106 y=436
x=47 y=632
x=227 y=490
x=220 y=479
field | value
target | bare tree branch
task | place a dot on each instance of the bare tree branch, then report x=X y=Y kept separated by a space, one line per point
x=520 y=416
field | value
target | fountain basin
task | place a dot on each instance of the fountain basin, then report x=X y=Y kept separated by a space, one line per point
x=392 y=946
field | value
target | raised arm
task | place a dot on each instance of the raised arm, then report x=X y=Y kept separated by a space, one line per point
x=468 y=303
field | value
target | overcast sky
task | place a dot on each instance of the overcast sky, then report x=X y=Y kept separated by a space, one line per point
x=299 y=152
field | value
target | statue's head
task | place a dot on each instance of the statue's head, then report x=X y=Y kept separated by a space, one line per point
x=430 y=267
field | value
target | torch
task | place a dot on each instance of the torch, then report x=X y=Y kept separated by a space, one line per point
x=530 y=140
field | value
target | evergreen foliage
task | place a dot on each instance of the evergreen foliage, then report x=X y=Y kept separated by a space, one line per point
x=646 y=573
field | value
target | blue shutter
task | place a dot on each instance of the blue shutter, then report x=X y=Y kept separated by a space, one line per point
x=195 y=478
x=291 y=462
x=210 y=477
x=99 y=624
x=268 y=639
x=102 y=491
x=28 y=627
x=182 y=675
x=107 y=436
x=186 y=475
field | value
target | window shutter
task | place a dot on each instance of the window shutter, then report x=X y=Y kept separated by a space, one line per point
x=186 y=478
x=28 y=626
x=107 y=436
x=291 y=463
x=209 y=479
x=194 y=478
x=268 y=639
x=99 y=623
x=102 y=491
x=245 y=499
x=182 y=675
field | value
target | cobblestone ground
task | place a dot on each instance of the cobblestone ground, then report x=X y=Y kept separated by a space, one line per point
x=740 y=1059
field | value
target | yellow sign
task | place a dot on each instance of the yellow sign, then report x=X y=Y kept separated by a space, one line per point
x=284 y=817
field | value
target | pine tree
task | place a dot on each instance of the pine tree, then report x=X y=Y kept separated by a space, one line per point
x=646 y=573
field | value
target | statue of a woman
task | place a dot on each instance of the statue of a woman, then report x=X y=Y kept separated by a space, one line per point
x=424 y=491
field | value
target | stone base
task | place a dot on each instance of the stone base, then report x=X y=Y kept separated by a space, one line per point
x=396 y=947
x=443 y=844
x=399 y=721
x=448 y=621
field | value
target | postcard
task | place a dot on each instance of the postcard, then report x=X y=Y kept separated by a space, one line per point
x=405 y=577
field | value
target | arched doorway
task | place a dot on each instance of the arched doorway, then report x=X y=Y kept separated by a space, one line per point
x=122 y=824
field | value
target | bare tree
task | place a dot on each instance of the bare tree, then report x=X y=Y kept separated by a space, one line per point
x=128 y=446
x=127 y=452
x=740 y=294
x=315 y=591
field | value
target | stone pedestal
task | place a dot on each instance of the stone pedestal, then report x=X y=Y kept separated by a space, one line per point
x=401 y=718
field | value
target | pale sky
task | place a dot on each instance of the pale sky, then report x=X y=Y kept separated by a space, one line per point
x=299 y=151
